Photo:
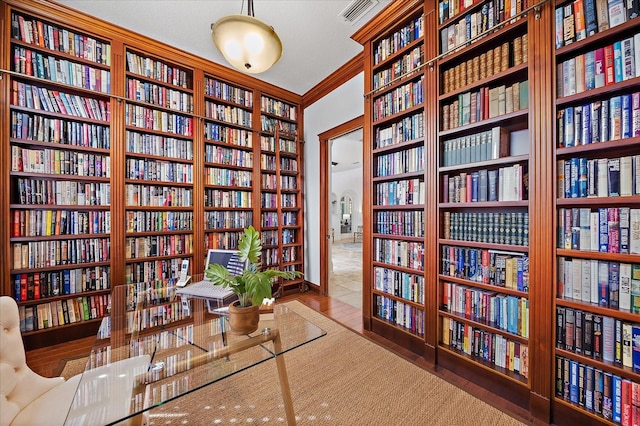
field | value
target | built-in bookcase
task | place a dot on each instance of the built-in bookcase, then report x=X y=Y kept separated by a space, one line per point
x=281 y=200
x=59 y=177
x=159 y=177
x=125 y=157
x=483 y=203
x=597 y=289
x=228 y=163
x=398 y=179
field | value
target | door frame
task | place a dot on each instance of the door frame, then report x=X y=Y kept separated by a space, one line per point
x=325 y=172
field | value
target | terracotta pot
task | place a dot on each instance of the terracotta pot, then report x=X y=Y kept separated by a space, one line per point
x=243 y=320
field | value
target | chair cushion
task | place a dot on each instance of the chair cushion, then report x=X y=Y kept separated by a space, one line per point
x=50 y=408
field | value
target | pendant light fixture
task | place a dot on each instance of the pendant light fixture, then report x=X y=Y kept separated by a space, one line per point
x=247 y=43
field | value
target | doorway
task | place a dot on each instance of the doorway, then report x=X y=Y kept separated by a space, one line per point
x=341 y=221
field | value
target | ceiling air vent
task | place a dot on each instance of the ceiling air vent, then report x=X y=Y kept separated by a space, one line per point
x=356 y=9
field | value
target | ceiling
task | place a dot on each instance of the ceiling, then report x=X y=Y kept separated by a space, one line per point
x=316 y=40
x=346 y=151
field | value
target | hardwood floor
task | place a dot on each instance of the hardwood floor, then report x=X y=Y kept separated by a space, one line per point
x=49 y=361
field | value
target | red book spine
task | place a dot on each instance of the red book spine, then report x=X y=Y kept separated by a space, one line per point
x=609 y=74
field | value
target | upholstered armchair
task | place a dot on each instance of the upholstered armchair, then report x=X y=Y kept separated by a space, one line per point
x=29 y=399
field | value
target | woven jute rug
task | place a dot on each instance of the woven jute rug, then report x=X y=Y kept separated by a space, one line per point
x=339 y=379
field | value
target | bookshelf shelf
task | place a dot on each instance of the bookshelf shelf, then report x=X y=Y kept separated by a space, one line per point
x=514 y=72
x=599 y=37
x=594 y=94
x=505 y=247
x=623 y=145
x=620 y=370
x=485 y=205
x=509 y=119
x=468 y=319
x=394 y=117
x=58 y=267
x=489 y=287
x=512 y=377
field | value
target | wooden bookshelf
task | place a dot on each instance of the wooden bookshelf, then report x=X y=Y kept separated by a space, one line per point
x=146 y=150
x=596 y=157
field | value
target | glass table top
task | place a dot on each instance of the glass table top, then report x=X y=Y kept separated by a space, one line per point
x=150 y=355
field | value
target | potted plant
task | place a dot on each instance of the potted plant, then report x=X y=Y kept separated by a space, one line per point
x=251 y=287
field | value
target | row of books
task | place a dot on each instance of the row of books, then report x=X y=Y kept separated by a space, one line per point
x=447 y=9
x=35 y=64
x=158 y=245
x=485 y=103
x=158 y=145
x=614 y=285
x=269 y=219
x=511 y=228
x=288 y=164
x=289 y=254
x=501 y=311
x=268 y=162
x=62 y=312
x=59 y=162
x=43 y=254
x=163 y=171
x=289 y=218
x=269 y=181
x=596 y=336
x=41 y=285
x=44 y=223
x=494 y=267
x=408 y=254
x=600 y=121
x=279 y=108
x=288 y=182
x=409 y=62
x=228 y=114
x=493 y=61
x=39 y=128
x=397 y=163
x=488 y=145
x=489 y=346
x=158 y=196
x=59 y=192
x=605 y=230
x=269 y=237
x=164 y=272
x=288 y=236
x=158 y=70
x=268 y=201
x=154 y=316
x=270 y=256
x=149 y=293
x=227 y=92
x=607 y=395
x=288 y=200
x=580 y=19
x=229 y=240
x=388 y=46
x=399 y=99
x=52 y=37
x=400 y=192
x=268 y=143
x=159 y=95
x=51 y=100
x=227 y=177
x=599 y=177
x=162 y=121
x=400 y=284
x=503 y=184
x=157 y=221
x=228 y=198
x=228 y=219
x=407 y=129
x=601 y=67
x=271 y=125
x=288 y=146
x=216 y=132
x=491 y=15
x=403 y=223
x=400 y=314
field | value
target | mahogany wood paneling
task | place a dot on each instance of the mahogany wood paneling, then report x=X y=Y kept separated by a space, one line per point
x=541 y=205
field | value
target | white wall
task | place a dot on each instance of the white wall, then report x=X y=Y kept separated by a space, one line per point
x=343 y=104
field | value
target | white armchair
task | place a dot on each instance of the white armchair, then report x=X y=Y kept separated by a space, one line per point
x=29 y=399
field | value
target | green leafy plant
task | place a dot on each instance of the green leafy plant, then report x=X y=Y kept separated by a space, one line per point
x=254 y=285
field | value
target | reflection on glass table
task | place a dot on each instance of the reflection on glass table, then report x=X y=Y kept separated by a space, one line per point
x=157 y=352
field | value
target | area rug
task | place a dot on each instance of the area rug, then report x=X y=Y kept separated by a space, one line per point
x=339 y=379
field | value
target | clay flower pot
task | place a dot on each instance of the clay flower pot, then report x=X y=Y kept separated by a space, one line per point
x=243 y=320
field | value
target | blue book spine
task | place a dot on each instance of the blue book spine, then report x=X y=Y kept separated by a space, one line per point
x=617 y=61
x=626 y=115
x=635 y=346
x=569 y=127
x=603 y=220
x=582 y=177
x=586 y=124
x=573 y=381
x=616 y=399
x=574 y=177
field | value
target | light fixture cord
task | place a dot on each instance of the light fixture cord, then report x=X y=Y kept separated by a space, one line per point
x=250 y=8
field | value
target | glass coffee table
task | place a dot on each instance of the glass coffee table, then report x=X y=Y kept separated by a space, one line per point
x=143 y=364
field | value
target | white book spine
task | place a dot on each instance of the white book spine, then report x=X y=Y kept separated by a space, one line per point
x=577 y=279
x=586 y=281
x=594 y=280
x=594 y=230
x=624 y=300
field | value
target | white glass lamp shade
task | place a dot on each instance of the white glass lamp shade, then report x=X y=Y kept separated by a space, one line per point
x=247 y=43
